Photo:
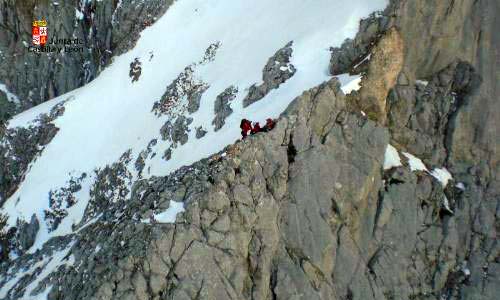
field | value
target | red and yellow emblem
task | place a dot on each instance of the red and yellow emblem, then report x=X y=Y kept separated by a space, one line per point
x=39 y=32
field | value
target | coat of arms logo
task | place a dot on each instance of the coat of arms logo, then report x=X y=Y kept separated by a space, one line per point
x=39 y=32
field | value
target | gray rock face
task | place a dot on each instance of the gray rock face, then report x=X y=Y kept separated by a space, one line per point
x=27 y=233
x=277 y=70
x=194 y=101
x=419 y=115
x=168 y=154
x=354 y=51
x=222 y=107
x=429 y=52
x=177 y=132
x=104 y=28
x=200 y=132
x=180 y=129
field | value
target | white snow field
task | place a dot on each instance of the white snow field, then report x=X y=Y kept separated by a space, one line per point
x=110 y=115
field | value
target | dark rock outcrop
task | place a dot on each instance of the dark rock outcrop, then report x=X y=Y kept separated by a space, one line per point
x=348 y=57
x=27 y=233
x=177 y=132
x=200 y=132
x=277 y=70
x=222 y=107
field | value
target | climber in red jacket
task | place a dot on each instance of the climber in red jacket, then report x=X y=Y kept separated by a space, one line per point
x=245 y=126
x=269 y=124
x=256 y=128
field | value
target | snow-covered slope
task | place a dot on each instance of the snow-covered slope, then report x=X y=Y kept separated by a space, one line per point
x=225 y=43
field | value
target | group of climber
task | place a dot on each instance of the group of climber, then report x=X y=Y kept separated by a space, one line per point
x=247 y=127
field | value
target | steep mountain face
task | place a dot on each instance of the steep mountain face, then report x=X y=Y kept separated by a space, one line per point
x=158 y=113
x=105 y=29
x=379 y=187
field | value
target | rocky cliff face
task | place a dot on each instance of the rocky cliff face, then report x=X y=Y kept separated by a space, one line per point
x=308 y=210
x=106 y=29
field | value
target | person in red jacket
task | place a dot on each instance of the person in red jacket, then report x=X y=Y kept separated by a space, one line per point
x=269 y=124
x=256 y=128
x=245 y=126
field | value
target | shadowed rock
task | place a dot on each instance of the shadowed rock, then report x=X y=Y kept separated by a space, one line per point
x=277 y=70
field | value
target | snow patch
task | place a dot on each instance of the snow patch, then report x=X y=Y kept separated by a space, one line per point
x=465 y=269
x=415 y=163
x=78 y=14
x=442 y=175
x=446 y=204
x=391 y=158
x=460 y=186
x=349 y=83
x=169 y=215
x=422 y=82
